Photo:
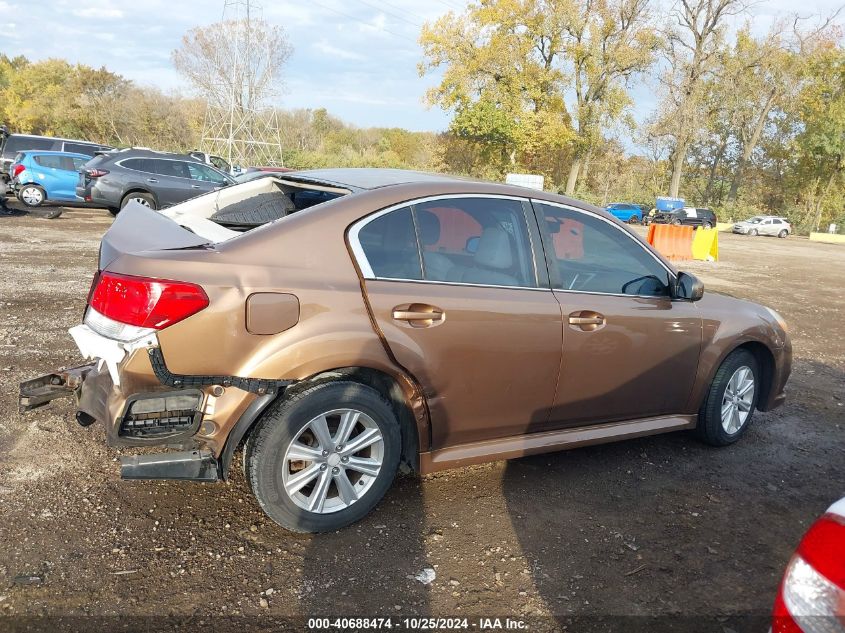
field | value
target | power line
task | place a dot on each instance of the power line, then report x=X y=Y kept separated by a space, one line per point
x=359 y=20
x=394 y=15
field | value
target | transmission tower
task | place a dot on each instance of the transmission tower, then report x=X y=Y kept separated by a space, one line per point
x=240 y=123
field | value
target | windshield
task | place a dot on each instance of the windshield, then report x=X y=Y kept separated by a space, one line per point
x=755 y=220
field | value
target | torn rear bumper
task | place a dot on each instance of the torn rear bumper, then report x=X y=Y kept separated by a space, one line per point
x=61 y=384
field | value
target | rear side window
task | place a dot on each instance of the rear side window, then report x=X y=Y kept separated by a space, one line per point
x=22 y=143
x=390 y=245
x=139 y=164
x=54 y=162
x=591 y=255
x=475 y=240
x=80 y=148
x=172 y=168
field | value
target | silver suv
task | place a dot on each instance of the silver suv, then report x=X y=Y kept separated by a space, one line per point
x=764 y=225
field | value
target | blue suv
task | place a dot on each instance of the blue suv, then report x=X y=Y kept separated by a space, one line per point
x=40 y=176
x=630 y=213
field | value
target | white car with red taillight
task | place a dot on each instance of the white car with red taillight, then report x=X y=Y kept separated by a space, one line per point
x=811 y=598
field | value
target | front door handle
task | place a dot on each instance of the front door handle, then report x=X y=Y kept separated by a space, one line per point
x=586 y=320
x=195 y=186
x=419 y=314
x=152 y=179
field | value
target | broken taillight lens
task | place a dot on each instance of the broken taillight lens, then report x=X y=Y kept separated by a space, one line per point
x=17 y=168
x=96 y=173
x=812 y=595
x=146 y=302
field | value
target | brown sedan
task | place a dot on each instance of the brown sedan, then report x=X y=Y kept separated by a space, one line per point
x=341 y=323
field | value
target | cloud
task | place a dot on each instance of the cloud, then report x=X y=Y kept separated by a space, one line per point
x=336 y=52
x=98 y=12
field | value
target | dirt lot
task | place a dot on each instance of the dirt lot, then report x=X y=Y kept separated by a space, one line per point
x=660 y=526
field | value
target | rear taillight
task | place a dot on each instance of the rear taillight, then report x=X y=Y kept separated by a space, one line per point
x=144 y=302
x=17 y=169
x=812 y=595
x=96 y=173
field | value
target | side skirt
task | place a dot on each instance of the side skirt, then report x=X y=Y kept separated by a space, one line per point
x=535 y=443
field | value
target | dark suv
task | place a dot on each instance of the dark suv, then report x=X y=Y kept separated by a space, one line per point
x=13 y=144
x=688 y=215
x=154 y=179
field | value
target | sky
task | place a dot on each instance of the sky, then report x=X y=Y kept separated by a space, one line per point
x=357 y=58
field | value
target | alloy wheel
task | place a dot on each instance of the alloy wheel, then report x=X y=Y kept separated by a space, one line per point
x=142 y=201
x=333 y=461
x=737 y=401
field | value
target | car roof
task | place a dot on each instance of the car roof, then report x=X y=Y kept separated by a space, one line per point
x=45 y=152
x=150 y=153
x=58 y=138
x=361 y=179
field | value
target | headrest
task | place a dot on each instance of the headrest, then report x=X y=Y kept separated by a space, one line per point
x=429 y=226
x=494 y=249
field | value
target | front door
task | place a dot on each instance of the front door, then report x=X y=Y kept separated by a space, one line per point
x=456 y=291
x=629 y=350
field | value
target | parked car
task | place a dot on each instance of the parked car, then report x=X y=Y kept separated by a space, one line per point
x=218 y=162
x=764 y=225
x=39 y=177
x=630 y=213
x=415 y=318
x=811 y=596
x=698 y=216
x=153 y=179
x=13 y=144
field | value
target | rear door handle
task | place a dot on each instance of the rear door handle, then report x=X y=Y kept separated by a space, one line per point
x=195 y=186
x=419 y=314
x=586 y=320
x=152 y=179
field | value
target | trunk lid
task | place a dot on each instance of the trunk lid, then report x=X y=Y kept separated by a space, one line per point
x=138 y=228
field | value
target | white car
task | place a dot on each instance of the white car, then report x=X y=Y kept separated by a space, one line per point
x=811 y=598
x=764 y=225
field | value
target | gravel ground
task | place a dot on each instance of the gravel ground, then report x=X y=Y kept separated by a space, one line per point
x=578 y=540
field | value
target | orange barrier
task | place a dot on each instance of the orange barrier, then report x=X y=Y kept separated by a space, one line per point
x=673 y=242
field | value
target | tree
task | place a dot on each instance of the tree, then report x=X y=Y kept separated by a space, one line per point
x=243 y=59
x=694 y=42
x=510 y=63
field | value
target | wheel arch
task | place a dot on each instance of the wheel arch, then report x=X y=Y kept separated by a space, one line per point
x=765 y=362
x=138 y=189
x=389 y=387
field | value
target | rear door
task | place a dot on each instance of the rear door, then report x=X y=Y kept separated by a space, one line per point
x=48 y=173
x=456 y=290
x=629 y=351
x=172 y=183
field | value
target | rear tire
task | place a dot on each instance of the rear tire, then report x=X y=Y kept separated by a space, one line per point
x=304 y=433
x=675 y=222
x=145 y=199
x=633 y=220
x=707 y=225
x=719 y=422
x=32 y=195
x=783 y=233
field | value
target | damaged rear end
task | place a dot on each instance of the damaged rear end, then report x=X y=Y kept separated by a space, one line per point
x=127 y=385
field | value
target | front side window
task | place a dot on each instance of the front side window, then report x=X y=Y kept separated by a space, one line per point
x=221 y=164
x=204 y=173
x=588 y=254
x=390 y=245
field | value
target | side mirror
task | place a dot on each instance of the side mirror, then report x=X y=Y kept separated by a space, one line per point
x=688 y=287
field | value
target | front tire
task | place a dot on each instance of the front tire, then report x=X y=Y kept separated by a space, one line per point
x=633 y=220
x=730 y=402
x=323 y=458
x=753 y=232
x=32 y=195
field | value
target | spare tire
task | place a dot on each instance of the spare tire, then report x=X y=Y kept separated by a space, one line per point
x=255 y=211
